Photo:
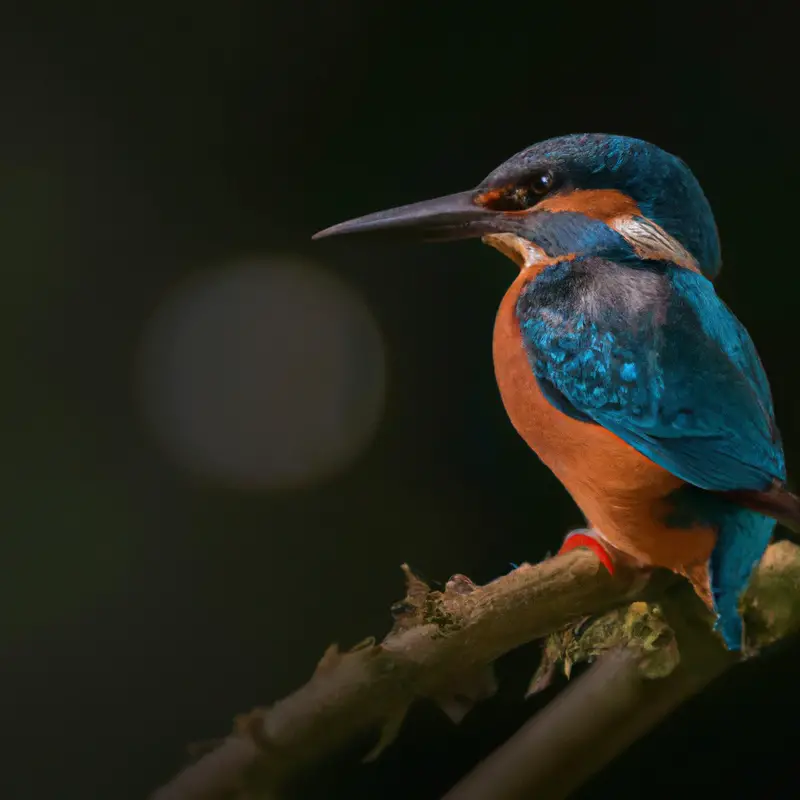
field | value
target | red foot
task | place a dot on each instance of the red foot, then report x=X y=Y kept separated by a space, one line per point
x=585 y=538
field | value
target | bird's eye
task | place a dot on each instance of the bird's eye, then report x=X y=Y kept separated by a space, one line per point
x=541 y=183
x=520 y=196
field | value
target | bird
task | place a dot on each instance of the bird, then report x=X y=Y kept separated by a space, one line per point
x=618 y=363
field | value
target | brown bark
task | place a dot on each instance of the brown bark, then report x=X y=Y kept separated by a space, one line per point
x=442 y=646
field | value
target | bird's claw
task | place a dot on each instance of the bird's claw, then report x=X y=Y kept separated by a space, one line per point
x=589 y=538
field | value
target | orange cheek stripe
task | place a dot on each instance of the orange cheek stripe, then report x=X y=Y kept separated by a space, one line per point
x=602 y=204
x=491 y=195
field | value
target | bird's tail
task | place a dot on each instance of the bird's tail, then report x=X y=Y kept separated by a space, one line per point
x=776 y=502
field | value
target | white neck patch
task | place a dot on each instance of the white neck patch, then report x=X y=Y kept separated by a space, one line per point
x=651 y=241
x=523 y=253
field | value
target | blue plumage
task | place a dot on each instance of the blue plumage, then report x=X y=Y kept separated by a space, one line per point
x=566 y=232
x=653 y=355
x=648 y=351
x=742 y=538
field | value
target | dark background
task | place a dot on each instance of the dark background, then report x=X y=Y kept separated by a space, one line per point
x=153 y=583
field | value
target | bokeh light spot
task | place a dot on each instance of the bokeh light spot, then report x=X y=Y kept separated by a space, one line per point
x=264 y=374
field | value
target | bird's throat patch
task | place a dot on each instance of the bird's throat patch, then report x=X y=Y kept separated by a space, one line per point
x=523 y=253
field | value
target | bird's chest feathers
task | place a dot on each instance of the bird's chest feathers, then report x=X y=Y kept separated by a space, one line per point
x=536 y=420
x=550 y=433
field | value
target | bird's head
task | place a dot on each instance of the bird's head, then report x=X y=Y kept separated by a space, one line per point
x=573 y=195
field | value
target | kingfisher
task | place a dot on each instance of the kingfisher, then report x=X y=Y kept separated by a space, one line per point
x=618 y=363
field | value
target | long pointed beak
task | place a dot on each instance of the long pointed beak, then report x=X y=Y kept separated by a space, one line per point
x=456 y=216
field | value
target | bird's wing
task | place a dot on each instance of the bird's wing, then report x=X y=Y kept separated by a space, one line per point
x=655 y=357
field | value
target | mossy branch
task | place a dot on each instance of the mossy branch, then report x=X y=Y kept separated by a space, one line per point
x=443 y=644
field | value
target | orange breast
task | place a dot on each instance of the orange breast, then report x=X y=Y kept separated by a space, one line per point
x=621 y=492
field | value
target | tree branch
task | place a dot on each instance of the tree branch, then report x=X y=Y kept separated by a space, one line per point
x=441 y=647
x=596 y=717
x=626 y=693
